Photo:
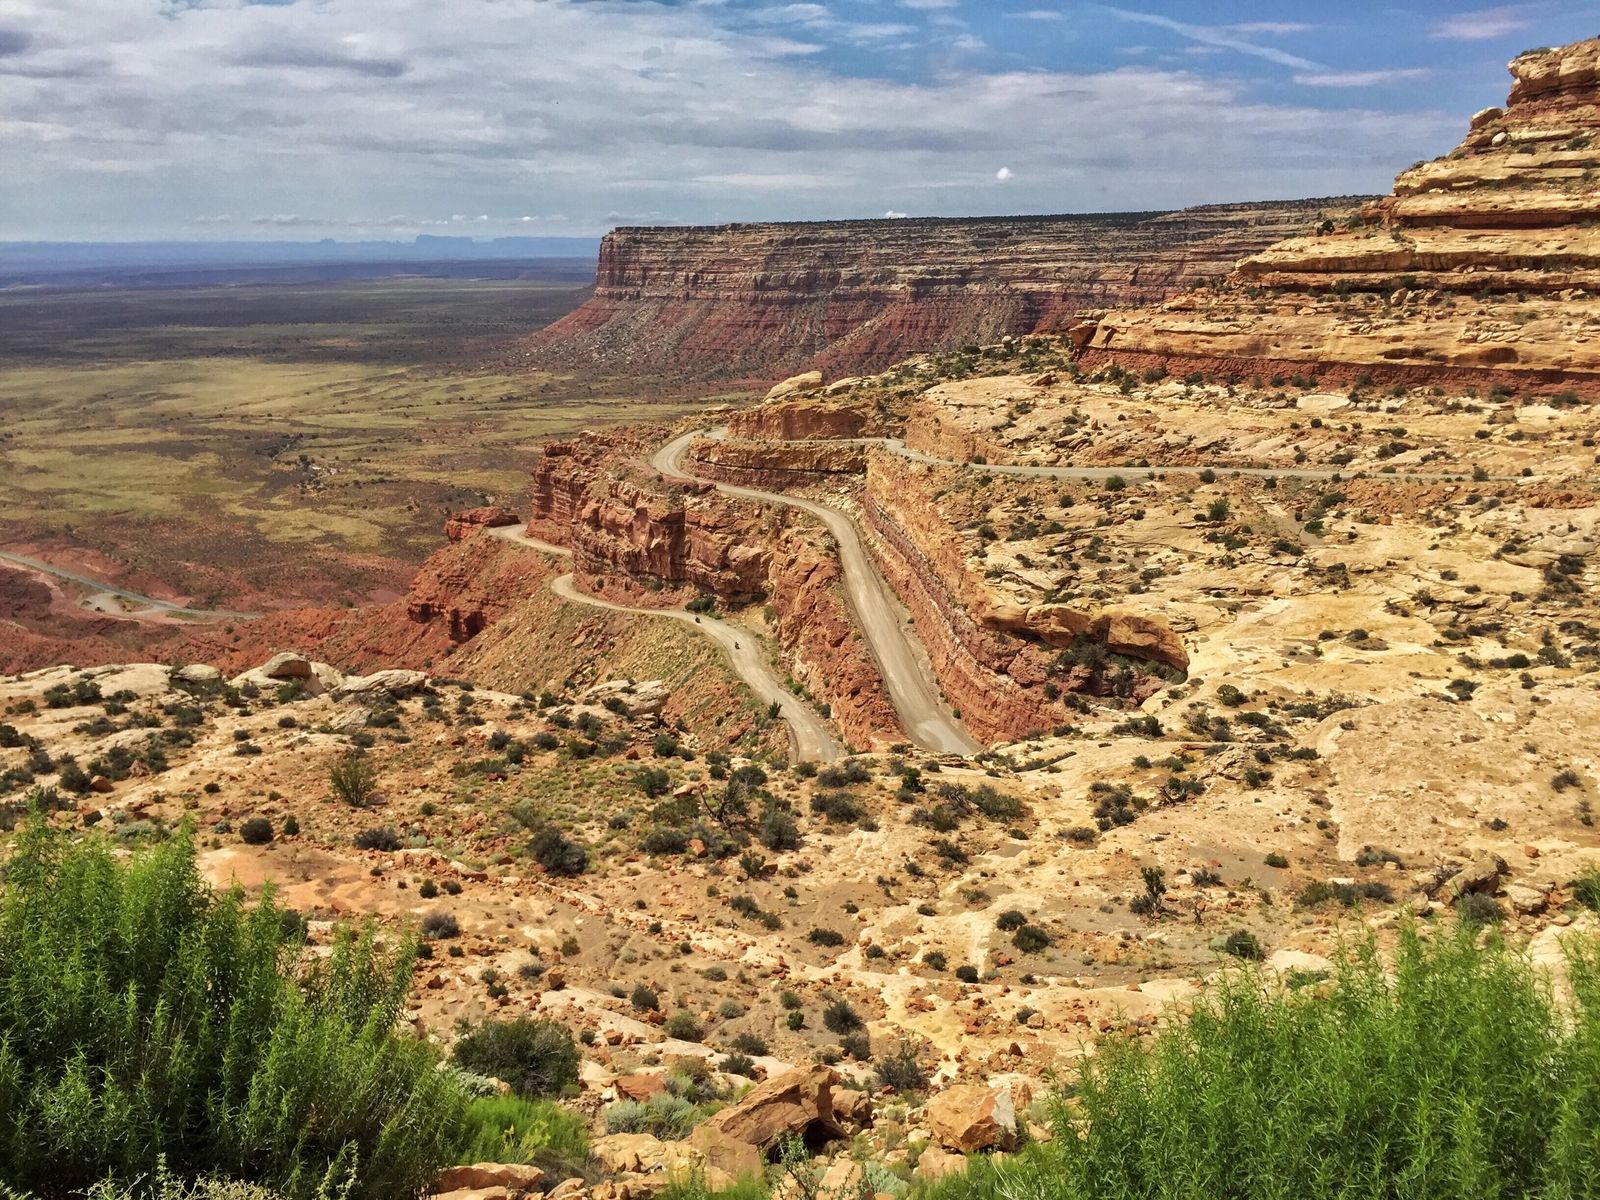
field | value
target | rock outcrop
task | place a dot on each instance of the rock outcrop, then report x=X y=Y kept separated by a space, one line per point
x=639 y=537
x=798 y=1103
x=757 y=301
x=463 y=525
x=1000 y=663
x=1480 y=269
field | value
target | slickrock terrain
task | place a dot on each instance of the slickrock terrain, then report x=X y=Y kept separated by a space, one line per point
x=762 y=300
x=1479 y=270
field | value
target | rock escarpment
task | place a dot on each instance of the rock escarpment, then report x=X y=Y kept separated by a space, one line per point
x=760 y=300
x=1004 y=665
x=646 y=538
x=1480 y=269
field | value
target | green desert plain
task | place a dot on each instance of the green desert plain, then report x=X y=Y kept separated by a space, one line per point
x=254 y=445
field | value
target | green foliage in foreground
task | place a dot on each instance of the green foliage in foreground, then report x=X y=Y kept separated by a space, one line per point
x=509 y=1129
x=145 y=1018
x=1456 y=1077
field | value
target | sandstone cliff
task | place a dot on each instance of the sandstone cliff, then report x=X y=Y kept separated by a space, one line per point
x=1480 y=268
x=646 y=539
x=759 y=300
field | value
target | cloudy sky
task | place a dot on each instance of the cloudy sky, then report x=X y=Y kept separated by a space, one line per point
x=131 y=119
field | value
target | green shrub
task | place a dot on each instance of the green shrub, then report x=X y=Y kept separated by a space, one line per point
x=666 y=1116
x=535 y=1058
x=257 y=831
x=1454 y=1076
x=353 y=779
x=509 y=1129
x=1030 y=939
x=839 y=1017
x=145 y=1017
x=1241 y=943
x=684 y=1026
x=557 y=853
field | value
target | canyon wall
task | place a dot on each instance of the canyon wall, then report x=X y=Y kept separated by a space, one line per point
x=644 y=539
x=1480 y=269
x=999 y=663
x=759 y=301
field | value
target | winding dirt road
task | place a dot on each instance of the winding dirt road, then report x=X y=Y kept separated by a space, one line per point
x=902 y=663
x=811 y=739
x=103 y=589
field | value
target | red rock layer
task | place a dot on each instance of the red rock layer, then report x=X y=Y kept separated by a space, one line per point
x=774 y=465
x=992 y=659
x=643 y=539
x=1481 y=268
x=760 y=301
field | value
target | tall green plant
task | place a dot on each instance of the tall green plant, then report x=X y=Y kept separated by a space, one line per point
x=1453 y=1074
x=145 y=1018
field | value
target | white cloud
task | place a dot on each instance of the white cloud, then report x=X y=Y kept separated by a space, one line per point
x=123 y=117
x=1003 y=174
x=894 y=216
x=1359 y=78
x=1484 y=24
x=1220 y=37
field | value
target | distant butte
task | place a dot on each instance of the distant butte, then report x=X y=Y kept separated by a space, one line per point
x=761 y=301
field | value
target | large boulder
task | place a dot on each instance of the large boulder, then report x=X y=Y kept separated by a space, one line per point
x=394 y=682
x=934 y=1163
x=631 y=1153
x=633 y=697
x=727 y=1156
x=1139 y=636
x=797 y=385
x=797 y=1102
x=970 y=1117
x=463 y=525
x=197 y=673
x=513 y=1177
x=286 y=665
x=1481 y=875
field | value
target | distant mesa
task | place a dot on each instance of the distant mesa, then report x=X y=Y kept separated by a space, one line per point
x=762 y=301
x=1481 y=268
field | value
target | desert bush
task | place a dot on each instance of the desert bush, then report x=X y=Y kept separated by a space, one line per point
x=684 y=1026
x=1241 y=943
x=509 y=1129
x=536 y=1059
x=644 y=998
x=377 y=839
x=901 y=1071
x=840 y=1018
x=664 y=1115
x=147 y=1019
x=440 y=924
x=257 y=831
x=1030 y=939
x=557 y=853
x=1453 y=1075
x=353 y=779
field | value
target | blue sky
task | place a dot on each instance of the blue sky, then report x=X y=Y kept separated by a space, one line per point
x=127 y=119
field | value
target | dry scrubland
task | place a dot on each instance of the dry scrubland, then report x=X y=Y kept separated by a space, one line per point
x=260 y=446
x=1277 y=875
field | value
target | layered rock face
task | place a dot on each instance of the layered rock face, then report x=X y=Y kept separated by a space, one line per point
x=761 y=300
x=994 y=659
x=667 y=537
x=1481 y=268
x=647 y=539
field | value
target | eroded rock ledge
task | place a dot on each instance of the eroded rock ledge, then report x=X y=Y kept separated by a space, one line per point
x=756 y=301
x=652 y=540
x=1482 y=267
